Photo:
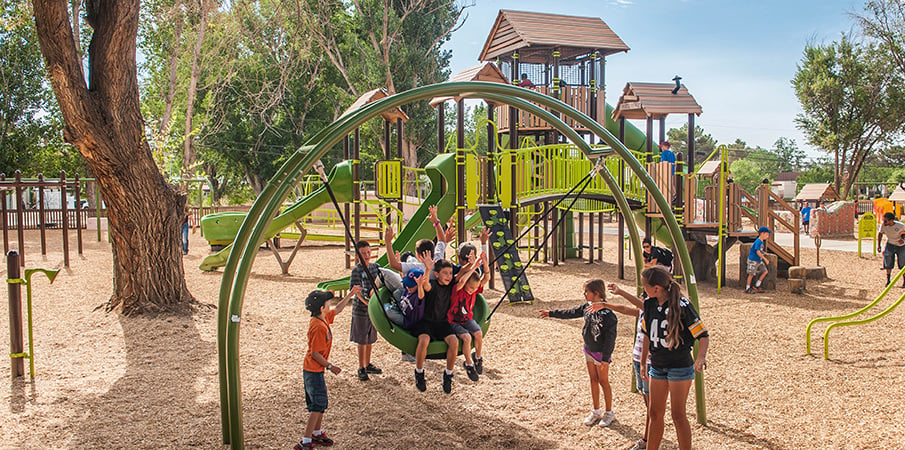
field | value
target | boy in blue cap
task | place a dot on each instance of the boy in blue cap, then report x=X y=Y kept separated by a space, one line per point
x=757 y=262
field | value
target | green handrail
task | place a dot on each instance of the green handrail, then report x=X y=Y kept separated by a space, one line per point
x=826 y=334
x=239 y=263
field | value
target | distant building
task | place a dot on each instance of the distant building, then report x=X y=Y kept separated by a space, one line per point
x=785 y=185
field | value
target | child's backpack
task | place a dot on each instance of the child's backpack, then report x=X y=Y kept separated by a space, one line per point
x=666 y=257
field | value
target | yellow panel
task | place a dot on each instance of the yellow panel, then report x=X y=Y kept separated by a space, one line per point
x=471 y=180
x=504 y=180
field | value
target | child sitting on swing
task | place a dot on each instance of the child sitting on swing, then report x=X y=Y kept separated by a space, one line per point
x=461 y=315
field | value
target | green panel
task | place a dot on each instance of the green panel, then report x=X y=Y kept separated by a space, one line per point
x=388 y=179
x=472 y=192
x=504 y=179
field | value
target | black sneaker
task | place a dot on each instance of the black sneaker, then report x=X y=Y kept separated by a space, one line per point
x=749 y=291
x=478 y=363
x=362 y=374
x=447 y=382
x=301 y=446
x=322 y=440
x=419 y=381
x=470 y=370
x=370 y=368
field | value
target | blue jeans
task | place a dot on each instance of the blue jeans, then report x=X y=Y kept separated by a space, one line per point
x=891 y=253
x=185 y=238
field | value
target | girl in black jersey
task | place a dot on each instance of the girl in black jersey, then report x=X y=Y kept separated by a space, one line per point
x=670 y=327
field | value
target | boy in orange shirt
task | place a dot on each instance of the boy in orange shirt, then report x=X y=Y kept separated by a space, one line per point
x=320 y=340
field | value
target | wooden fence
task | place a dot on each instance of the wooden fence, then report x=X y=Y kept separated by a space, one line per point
x=14 y=216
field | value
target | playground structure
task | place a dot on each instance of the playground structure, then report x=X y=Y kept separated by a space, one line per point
x=15 y=215
x=521 y=178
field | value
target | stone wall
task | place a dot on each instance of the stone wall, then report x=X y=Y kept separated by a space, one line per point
x=834 y=220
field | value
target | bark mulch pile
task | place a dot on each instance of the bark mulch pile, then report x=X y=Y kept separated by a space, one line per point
x=107 y=381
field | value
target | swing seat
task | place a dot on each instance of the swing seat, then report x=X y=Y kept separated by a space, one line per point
x=402 y=339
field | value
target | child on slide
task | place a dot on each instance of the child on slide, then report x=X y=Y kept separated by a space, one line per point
x=599 y=333
x=461 y=313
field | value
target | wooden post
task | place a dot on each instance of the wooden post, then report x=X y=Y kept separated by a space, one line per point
x=97 y=208
x=4 y=221
x=557 y=94
x=78 y=213
x=662 y=129
x=356 y=190
x=460 y=172
x=690 y=143
x=513 y=145
x=16 y=344
x=65 y=213
x=591 y=238
x=20 y=219
x=620 y=241
x=491 y=153
x=346 y=210
x=546 y=230
x=399 y=204
x=600 y=236
x=555 y=219
x=592 y=99
x=41 y=212
x=581 y=235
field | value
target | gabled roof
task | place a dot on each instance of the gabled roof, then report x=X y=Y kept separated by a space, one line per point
x=817 y=191
x=481 y=72
x=898 y=195
x=537 y=35
x=372 y=96
x=786 y=176
x=640 y=100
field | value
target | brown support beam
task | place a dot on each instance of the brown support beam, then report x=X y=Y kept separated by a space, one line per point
x=347 y=213
x=460 y=171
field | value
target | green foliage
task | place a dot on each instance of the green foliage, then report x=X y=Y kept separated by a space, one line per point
x=820 y=171
x=746 y=174
x=790 y=158
x=704 y=144
x=852 y=103
x=31 y=129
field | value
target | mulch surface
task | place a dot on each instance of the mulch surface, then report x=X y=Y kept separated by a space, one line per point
x=108 y=381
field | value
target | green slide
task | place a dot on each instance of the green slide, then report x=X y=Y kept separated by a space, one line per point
x=439 y=171
x=340 y=179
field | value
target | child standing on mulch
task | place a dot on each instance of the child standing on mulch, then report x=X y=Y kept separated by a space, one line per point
x=757 y=262
x=362 y=331
x=320 y=340
x=670 y=327
x=636 y=311
x=599 y=334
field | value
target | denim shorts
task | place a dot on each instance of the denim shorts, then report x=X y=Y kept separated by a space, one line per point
x=469 y=327
x=315 y=391
x=643 y=386
x=891 y=253
x=671 y=374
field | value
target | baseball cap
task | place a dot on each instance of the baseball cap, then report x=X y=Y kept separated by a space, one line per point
x=764 y=230
x=316 y=299
x=409 y=280
x=665 y=144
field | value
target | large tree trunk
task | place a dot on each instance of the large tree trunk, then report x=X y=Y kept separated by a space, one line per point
x=104 y=122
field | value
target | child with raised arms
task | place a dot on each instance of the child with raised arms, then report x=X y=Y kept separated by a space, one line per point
x=461 y=313
x=599 y=334
x=670 y=326
x=317 y=360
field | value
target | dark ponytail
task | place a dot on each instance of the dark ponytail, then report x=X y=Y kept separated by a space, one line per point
x=660 y=276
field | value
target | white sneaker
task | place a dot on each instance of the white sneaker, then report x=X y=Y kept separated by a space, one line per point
x=640 y=445
x=592 y=419
x=607 y=418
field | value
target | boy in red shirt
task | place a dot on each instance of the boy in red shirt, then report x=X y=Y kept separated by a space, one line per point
x=320 y=340
x=461 y=316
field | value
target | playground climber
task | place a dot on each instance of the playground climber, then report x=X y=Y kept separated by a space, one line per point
x=656 y=255
x=671 y=325
x=362 y=331
x=525 y=81
x=757 y=261
x=895 y=244
x=434 y=326
x=317 y=359
x=469 y=284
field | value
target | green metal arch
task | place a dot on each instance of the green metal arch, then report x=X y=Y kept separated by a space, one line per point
x=239 y=263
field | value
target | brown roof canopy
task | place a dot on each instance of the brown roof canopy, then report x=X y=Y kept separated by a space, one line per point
x=817 y=191
x=372 y=96
x=481 y=72
x=641 y=100
x=536 y=35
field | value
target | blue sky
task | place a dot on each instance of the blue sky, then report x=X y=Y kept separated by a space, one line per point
x=736 y=57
